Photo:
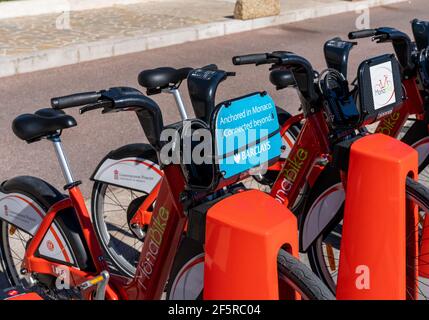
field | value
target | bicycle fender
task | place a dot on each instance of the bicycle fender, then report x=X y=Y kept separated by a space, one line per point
x=132 y=166
x=24 y=202
x=322 y=212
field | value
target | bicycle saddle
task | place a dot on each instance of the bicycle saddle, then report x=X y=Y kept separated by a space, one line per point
x=282 y=78
x=337 y=54
x=33 y=127
x=202 y=86
x=49 y=112
x=421 y=33
x=159 y=78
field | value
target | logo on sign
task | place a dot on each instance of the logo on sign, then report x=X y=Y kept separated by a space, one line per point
x=237 y=158
x=50 y=245
x=252 y=152
x=383 y=85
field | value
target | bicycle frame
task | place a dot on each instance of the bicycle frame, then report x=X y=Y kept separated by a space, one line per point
x=162 y=240
x=160 y=247
x=312 y=144
x=75 y=277
x=301 y=165
x=413 y=105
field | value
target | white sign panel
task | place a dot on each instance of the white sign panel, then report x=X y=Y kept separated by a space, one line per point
x=383 y=85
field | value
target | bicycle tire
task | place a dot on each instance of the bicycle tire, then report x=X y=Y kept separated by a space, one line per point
x=416 y=192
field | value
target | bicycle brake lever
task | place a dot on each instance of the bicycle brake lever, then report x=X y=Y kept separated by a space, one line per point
x=380 y=38
x=94 y=106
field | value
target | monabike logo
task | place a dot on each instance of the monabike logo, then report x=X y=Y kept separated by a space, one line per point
x=383 y=86
x=154 y=237
x=291 y=170
x=50 y=245
x=387 y=124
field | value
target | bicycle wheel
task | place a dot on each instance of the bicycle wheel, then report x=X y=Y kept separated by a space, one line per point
x=187 y=276
x=324 y=252
x=111 y=217
x=13 y=244
x=417 y=136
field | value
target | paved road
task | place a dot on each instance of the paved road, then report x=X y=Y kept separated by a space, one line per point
x=97 y=134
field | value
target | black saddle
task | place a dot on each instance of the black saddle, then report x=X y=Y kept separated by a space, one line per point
x=160 y=78
x=43 y=123
x=282 y=78
x=337 y=54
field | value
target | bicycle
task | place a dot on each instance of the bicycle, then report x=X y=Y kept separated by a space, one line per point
x=126 y=181
x=63 y=245
x=311 y=154
x=324 y=202
x=336 y=54
x=324 y=252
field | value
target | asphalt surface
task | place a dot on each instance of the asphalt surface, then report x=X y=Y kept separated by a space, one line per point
x=97 y=134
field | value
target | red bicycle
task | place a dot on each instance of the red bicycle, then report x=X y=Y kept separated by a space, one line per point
x=126 y=181
x=326 y=199
x=48 y=243
x=331 y=116
x=113 y=198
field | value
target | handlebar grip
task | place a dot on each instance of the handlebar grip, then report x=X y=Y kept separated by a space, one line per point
x=75 y=100
x=257 y=58
x=362 y=34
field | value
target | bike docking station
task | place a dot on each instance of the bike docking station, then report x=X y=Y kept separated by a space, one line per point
x=243 y=245
x=245 y=231
x=373 y=263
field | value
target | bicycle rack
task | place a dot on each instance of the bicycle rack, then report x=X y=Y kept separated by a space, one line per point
x=244 y=233
x=374 y=245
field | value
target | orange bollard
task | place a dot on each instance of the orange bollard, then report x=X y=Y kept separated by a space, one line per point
x=374 y=245
x=244 y=233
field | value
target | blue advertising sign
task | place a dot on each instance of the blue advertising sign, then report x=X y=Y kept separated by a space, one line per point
x=246 y=133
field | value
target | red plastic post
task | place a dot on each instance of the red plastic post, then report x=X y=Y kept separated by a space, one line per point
x=244 y=233
x=373 y=261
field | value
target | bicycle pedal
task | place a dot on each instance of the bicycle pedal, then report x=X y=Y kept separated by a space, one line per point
x=100 y=281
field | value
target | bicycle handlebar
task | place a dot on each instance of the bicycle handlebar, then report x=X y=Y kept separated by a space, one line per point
x=367 y=33
x=402 y=44
x=300 y=67
x=119 y=99
x=257 y=58
x=75 y=100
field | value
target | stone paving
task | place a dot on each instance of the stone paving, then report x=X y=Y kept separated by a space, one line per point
x=27 y=34
x=30 y=34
